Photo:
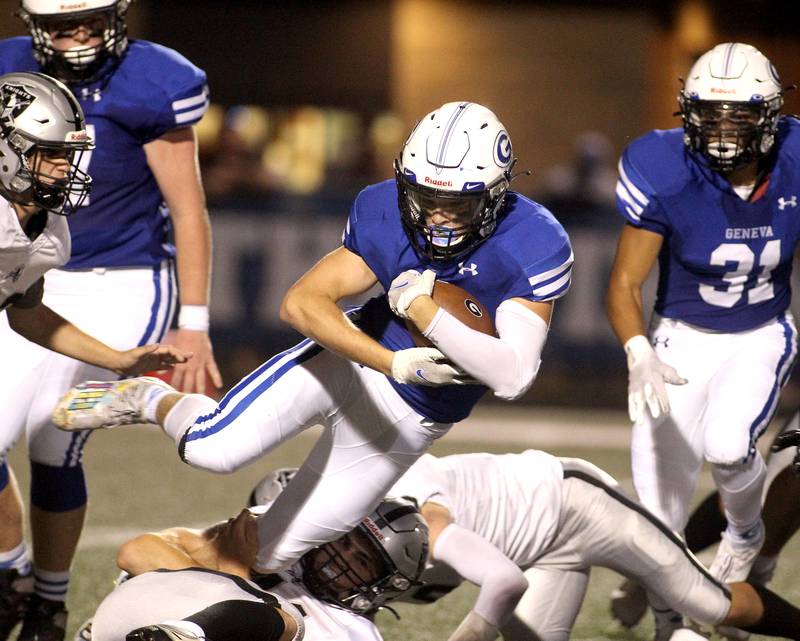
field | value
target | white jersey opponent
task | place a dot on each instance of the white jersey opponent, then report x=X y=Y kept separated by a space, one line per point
x=24 y=261
x=556 y=518
x=163 y=595
x=511 y=500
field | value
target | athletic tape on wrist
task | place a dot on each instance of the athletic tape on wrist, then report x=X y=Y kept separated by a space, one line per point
x=193 y=317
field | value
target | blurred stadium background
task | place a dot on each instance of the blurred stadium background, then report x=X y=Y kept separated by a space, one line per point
x=312 y=101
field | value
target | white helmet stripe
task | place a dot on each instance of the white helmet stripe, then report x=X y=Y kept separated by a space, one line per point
x=448 y=130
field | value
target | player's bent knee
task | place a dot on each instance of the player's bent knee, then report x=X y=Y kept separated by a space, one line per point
x=57 y=488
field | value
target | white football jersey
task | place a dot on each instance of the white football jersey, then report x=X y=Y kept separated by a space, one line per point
x=511 y=500
x=155 y=597
x=325 y=622
x=24 y=261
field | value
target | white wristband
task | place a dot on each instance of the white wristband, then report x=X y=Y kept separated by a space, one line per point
x=193 y=317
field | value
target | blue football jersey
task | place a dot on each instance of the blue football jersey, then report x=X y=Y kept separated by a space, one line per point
x=528 y=256
x=726 y=263
x=153 y=90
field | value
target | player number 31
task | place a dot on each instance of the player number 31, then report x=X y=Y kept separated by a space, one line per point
x=738 y=279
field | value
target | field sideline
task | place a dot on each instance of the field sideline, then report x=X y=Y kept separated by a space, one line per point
x=137 y=484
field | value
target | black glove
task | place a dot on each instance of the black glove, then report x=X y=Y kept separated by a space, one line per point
x=789 y=439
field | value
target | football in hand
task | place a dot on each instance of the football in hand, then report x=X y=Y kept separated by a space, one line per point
x=461 y=304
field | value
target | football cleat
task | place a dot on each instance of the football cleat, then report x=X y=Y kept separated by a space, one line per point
x=733 y=563
x=45 y=620
x=15 y=591
x=629 y=603
x=162 y=632
x=98 y=404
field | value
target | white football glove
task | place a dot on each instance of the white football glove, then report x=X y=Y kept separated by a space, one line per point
x=407 y=286
x=647 y=374
x=427 y=366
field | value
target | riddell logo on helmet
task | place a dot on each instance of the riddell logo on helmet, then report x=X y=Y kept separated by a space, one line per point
x=719 y=90
x=438 y=183
x=71 y=6
x=376 y=532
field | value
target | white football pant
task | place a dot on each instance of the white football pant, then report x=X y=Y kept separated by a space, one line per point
x=371 y=437
x=734 y=381
x=123 y=308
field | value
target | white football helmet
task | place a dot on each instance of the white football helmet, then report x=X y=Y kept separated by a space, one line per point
x=458 y=160
x=394 y=539
x=103 y=18
x=730 y=105
x=39 y=120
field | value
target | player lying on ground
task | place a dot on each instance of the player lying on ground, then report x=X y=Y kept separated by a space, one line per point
x=448 y=215
x=331 y=586
x=527 y=528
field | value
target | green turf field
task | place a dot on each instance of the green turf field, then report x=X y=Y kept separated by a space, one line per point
x=137 y=483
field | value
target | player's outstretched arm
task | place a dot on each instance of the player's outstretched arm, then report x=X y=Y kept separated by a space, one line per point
x=173 y=160
x=501 y=582
x=637 y=252
x=43 y=326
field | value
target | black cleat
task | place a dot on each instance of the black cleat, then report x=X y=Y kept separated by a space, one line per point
x=15 y=591
x=45 y=620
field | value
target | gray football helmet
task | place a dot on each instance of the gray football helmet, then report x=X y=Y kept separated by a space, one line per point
x=106 y=19
x=392 y=542
x=39 y=120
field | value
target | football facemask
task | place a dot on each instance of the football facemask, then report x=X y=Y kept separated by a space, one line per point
x=77 y=46
x=452 y=176
x=377 y=562
x=42 y=140
x=730 y=106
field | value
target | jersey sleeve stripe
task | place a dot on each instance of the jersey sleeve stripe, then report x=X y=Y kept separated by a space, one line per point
x=192 y=101
x=551 y=273
x=632 y=189
x=631 y=206
x=557 y=286
x=190 y=116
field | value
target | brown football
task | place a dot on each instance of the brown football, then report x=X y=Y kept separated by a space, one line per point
x=461 y=304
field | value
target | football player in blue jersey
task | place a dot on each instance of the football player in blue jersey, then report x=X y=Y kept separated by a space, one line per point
x=714 y=203
x=447 y=215
x=141 y=101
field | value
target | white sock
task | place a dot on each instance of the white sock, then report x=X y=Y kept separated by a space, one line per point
x=18 y=559
x=740 y=487
x=50 y=585
x=185 y=412
x=152 y=398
